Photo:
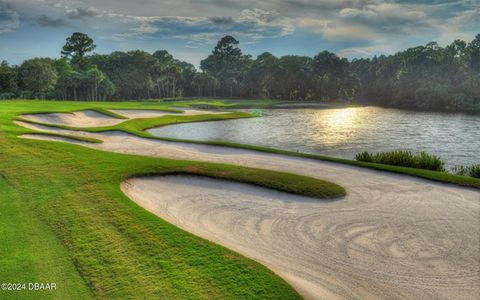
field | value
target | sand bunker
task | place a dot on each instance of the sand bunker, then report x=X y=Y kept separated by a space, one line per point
x=49 y=129
x=383 y=246
x=144 y=113
x=90 y=118
x=54 y=139
x=193 y=112
x=84 y=118
x=391 y=237
x=141 y=113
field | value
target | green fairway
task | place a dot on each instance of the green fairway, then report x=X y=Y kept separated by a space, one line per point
x=64 y=220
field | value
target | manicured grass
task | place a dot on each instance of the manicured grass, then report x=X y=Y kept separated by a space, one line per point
x=286 y=182
x=119 y=116
x=289 y=183
x=425 y=174
x=137 y=126
x=68 y=136
x=63 y=219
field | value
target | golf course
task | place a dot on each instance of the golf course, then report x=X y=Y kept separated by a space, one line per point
x=239 y=150
x=94 y=202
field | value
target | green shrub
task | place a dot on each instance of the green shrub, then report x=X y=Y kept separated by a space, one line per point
x=364 y=156
x=459 y=170
x=421 y=160
x=472 y=171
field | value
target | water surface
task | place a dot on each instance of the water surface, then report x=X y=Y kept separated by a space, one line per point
x=344 y=132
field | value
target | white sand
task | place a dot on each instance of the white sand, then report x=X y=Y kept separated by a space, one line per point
x=55 y=139
x=141 y=113
x=90 y=118
x=381 y=245
x=391 y=237
x=43 y=128
x=145 y=113
x=84 y=118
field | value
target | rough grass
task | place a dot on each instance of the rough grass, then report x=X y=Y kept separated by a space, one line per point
x=63 y=219
x=420 y=160
x=472 y=171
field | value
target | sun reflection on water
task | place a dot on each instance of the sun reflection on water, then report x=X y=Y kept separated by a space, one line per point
x=344 y=132
x=338 y=124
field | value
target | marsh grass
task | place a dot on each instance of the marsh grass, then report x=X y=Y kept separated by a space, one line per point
x=420 y=160
x=472 y=171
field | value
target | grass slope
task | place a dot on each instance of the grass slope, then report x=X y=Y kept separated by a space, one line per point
x=67 y=136
x=63 y=219
x=425 y=174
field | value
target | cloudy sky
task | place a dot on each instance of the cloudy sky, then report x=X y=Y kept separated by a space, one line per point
x=189 y=29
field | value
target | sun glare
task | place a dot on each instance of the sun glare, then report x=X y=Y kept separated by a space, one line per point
x=341 y=118
x=339 y=123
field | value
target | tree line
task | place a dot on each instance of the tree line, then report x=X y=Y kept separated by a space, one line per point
x=427 y=76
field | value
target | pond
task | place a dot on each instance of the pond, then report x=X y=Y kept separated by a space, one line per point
x=343 y=132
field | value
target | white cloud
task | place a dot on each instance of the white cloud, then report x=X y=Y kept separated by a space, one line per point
x=250 y=25
x=352 y=32
x=258 y=16
x=9 y=18
x=353 y=27
x=334 y=30
x=82 y=13
x=463 y=26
